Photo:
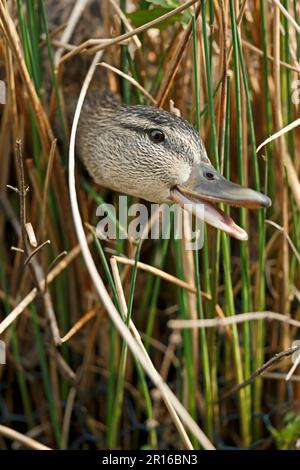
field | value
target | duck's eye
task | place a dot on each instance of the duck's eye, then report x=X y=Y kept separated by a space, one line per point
x=156 y=136
x=209 y=175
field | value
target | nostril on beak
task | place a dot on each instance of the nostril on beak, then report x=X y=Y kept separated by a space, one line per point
x=266 y=202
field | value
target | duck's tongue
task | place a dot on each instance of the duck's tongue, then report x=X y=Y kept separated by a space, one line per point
x=210 y=214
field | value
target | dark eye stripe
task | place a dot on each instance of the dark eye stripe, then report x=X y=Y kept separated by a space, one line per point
x=133 y=127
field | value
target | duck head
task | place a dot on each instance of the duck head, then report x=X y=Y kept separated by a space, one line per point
x=157 y=156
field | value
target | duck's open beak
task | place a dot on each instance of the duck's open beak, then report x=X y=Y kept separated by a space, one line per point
x=205 y=187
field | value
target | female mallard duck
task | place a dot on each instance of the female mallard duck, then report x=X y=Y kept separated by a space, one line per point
x=147 y=152
x=152 y=154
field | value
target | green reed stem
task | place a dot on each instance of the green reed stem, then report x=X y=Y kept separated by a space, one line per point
x=261 y=215
x=203 y=343
x=46 y=377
